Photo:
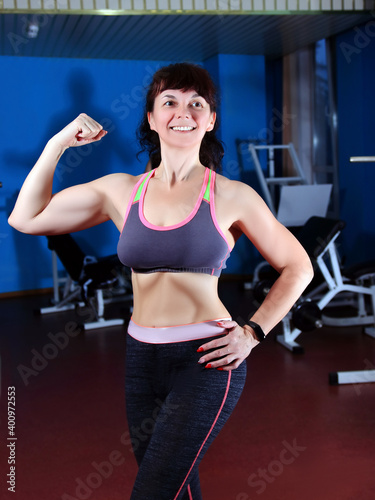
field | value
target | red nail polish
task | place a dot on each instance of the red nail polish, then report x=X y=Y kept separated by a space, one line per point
x=220 y=369
x=200 y=349
x=209 y=365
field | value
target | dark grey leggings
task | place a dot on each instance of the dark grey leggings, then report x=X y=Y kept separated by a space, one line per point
x=175 y=409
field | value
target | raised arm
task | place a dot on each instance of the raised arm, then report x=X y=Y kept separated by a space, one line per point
x=37 y=210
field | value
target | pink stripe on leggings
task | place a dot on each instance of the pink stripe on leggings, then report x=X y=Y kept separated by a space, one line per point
x=209 y=432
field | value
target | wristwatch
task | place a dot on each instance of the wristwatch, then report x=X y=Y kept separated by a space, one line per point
x=258 y=330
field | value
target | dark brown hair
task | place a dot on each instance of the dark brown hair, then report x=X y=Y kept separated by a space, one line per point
x=185 y=77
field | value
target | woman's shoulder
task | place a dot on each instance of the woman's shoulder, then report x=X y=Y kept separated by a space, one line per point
x=116 y=189
x=118 y=181
x=233 y=190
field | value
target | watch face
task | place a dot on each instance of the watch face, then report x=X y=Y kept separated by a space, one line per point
x=258 y=330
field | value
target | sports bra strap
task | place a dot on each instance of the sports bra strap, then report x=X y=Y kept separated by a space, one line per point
x=145 y=177
x=142 y=183
x=136 y=192
x=206 y=195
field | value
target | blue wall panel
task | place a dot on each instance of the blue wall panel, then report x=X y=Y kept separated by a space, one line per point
x=356 y=137
x=39 y=96
x=242 y=84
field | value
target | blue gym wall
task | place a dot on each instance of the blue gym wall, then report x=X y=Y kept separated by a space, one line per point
x=242 y=83
x=355 y=55
x=40 y=95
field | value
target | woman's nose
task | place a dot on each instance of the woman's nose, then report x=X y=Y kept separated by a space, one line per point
x=183 y=112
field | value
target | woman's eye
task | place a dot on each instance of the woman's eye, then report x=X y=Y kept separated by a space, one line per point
x=168 y=103
x=197 y=104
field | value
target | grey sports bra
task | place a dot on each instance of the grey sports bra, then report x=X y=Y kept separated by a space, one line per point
x=195 y=245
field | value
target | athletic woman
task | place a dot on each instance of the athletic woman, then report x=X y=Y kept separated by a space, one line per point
x=178 y=222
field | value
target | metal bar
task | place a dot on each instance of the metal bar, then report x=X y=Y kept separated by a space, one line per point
x=356 y=377
x=354 y=159
x=262 y=180
x=283 y=180
x=279 y=146
x=296 y=163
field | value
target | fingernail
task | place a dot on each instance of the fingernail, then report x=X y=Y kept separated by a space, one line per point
x=209 y=365
x=220 y=323
x=220 y=369
x=200 y=349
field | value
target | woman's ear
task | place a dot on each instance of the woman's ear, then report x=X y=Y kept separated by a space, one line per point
x=150 y=120
x=212 y=122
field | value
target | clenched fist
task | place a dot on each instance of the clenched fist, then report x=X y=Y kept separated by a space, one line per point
x=81 y=131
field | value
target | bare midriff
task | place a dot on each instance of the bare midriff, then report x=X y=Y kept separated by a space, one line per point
x=169 y=299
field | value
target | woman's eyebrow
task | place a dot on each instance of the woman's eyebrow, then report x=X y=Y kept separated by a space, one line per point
x=171 y=96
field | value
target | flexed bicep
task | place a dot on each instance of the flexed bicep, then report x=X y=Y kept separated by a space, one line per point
x=37 y=210
x=72 y=209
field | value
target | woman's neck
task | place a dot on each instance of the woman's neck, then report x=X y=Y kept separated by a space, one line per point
x=177 y=165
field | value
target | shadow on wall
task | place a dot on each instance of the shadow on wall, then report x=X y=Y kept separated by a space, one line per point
x=116 y=152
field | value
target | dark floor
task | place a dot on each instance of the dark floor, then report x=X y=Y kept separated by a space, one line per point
x=292 y=435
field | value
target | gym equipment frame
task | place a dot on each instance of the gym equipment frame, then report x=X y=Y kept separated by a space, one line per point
x=319 y=236
x=87 y=280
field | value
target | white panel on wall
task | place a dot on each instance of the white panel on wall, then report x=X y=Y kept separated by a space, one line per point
x=35 y=4
x=258 y=4
x=281 y=4
x=292 y=5
x=187 y=4
x=22 y=4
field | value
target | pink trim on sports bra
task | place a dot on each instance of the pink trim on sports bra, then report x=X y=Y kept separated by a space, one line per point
x=213 y=211
x=173 y=226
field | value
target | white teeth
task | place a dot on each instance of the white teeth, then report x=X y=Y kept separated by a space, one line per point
x=182 y=128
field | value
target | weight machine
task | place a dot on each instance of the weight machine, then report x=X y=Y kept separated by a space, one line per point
x=90 y=281
x=292 y=199
x=318 y=235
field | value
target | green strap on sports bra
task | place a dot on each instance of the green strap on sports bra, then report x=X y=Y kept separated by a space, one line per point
x=140 y=188
x=207 y=192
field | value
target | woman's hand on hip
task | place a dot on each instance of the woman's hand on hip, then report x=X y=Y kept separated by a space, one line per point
x=228 y=351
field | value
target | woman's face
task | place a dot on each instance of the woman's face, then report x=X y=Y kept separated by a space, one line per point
x=181 y=118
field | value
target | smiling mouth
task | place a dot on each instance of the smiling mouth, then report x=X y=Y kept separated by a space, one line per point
x=183 y=129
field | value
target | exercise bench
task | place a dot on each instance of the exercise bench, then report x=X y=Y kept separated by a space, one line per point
x=88 y=280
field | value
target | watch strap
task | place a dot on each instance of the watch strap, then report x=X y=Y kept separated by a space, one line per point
x=258 y=330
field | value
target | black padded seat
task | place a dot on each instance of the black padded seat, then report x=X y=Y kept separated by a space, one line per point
x=317 y=233
x=358 y=270
x=91 y=275
x=88 y=278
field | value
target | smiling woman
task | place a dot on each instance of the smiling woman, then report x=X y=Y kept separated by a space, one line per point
x=185 y=357
x=197 y=82
x=181 y=113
